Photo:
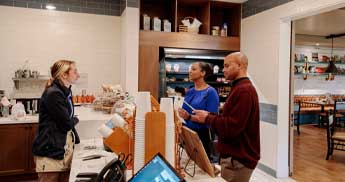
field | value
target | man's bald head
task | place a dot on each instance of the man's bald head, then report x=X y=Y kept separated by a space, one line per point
x=235 y=66
x=239 y=58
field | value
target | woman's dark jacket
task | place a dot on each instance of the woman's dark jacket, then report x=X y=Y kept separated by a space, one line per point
x=55 y=120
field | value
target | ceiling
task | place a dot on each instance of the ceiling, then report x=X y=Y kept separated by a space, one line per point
x=321 y=41
x=322 y=24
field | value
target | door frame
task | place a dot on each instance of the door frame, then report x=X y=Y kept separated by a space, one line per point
x=285 y=66
x=291 y=99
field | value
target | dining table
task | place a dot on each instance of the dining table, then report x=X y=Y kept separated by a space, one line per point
x=324 y=107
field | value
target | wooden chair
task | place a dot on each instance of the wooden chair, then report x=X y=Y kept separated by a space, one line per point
x=323 y=118
x=335 y=135
x=297 y=115
x=339 y=108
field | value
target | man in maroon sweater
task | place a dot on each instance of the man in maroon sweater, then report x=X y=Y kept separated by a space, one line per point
x=238 y=126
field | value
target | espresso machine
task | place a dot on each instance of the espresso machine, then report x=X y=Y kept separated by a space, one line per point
x=31 y=105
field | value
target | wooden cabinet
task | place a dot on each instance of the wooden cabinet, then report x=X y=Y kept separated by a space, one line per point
x=16 y=150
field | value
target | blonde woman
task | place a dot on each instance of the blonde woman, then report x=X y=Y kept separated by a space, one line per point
x=56 y=135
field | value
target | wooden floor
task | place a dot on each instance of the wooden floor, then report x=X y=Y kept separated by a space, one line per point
x=310 y=162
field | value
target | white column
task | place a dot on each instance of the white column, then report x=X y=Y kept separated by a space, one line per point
x=130 y=49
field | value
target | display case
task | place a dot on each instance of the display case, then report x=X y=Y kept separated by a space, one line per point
x=174 y=71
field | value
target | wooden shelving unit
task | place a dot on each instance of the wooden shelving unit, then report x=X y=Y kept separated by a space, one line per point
x=229 y=13
x=165 y=9
x=210 y=13
x=199 y=9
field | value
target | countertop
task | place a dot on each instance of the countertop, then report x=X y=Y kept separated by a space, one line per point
x=84 y=113
x=87 y=128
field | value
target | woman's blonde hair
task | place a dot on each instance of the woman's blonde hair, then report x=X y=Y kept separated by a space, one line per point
x=58 y=68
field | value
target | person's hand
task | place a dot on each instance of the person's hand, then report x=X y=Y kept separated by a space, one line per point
x=200 y=116
x=183 y=113
x=75 y=120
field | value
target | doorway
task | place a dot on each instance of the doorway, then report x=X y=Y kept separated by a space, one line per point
x=310 y=54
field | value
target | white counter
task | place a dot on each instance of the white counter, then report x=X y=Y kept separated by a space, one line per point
x=96 y=165
x=89 y=121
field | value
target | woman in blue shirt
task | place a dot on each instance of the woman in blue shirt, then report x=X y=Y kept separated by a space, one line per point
x=201 y=96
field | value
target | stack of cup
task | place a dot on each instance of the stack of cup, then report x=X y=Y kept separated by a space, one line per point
x=167 y=107
x=143 y=105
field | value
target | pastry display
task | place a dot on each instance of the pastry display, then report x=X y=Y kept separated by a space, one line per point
x=126 y=110
x=106 y=100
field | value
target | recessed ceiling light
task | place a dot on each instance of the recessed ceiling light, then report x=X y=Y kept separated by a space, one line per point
x=50 y=7
x=317 y=44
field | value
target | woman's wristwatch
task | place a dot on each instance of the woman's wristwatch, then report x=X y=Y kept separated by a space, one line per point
x=189 y=117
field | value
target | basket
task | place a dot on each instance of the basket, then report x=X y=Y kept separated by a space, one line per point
x=183 y=28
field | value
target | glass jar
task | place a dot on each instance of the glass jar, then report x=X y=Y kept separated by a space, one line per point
x=215 y=30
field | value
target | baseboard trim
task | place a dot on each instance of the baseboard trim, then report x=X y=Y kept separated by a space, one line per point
x=267 y=169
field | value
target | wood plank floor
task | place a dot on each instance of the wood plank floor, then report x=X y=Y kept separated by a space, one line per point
x=310 y=162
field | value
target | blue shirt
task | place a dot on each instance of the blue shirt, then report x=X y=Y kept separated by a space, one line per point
x=70 y=104
x=206 y=99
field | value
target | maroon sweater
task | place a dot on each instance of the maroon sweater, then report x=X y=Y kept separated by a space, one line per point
x=238 y=127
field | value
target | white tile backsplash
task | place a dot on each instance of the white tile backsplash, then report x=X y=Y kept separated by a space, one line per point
x=317 y=85
x=43 y=37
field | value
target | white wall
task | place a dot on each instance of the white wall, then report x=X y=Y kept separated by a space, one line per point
x=265 y=38
x=318 y=85
x=269 y=148
x=42 y=37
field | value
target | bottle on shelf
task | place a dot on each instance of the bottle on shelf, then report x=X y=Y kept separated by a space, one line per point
x=224 y=30
x=157 y=25
x=146 y=22
x=166 y=25
x=215 y=30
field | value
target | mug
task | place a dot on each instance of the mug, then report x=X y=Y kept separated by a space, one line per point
x=312 y=69
x=168 y=67
x=215 y=69
x=176 y=67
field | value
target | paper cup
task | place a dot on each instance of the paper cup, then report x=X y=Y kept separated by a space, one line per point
x=105 y=131
x=143 y=103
